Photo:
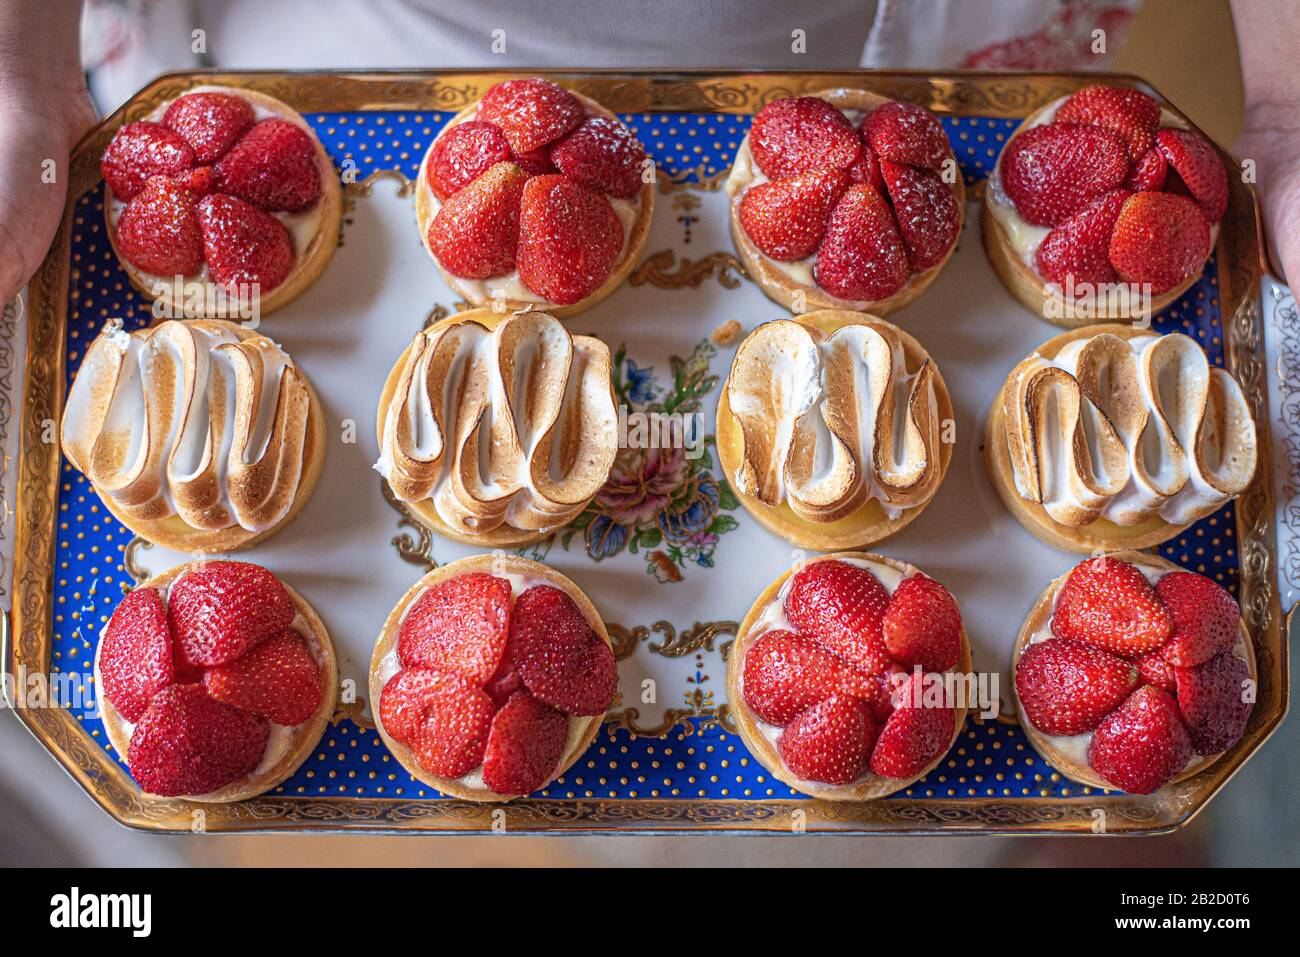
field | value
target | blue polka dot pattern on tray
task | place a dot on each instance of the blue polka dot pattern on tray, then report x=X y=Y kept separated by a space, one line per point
x=697 y=758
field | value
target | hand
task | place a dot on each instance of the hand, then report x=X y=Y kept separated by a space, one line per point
x=1272 y=140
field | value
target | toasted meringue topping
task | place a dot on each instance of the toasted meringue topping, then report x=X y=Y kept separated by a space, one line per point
x=187 y=419
x=830 y=422
x=1127 y=429
x=516 y=426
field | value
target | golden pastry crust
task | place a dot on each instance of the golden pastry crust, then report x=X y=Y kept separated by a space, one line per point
x=1037 y=620
x=869 y=524
x=780 y=286
x=308 y=264
x=872 y=786
x=582 y=729
x=303 y=738
x=426 y=205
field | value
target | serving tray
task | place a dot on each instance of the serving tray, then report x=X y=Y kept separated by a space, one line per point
x=665 y=552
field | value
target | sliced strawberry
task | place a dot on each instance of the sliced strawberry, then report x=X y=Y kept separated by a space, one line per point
x=1142 y=744
x=786 y=218
x=831 y=742
x=602 y=154
x=862 y=255
x=135 y=654
x=505 y=682
x=406 y=697
x=785 y=675
x=535 y=162
x=560 y=658
x=795 y=135
x=569 y=238
x=463 y=154
x=1199 y=167
x=277 y=679
x=1068 y=687
x=218 y=610
x=1130 y=113
x=531 y=112
x=1154 y=670
x=914 y=736
x=1148 y=173
x=926 y=211
x=1160 y=239
x=841 y=607
x=1214 y=701
x=189 y=744
x=1078 y=250
x=140 y=150
x=274 y=166
x=243 y=245
x=866 y=169
x=451 y=724
x=158 y=230
x=210 y=122
x=1205 y=616
x=1051 y=172
x=524 y=746
x=907 y=134
x=458 y=625
x=922 y=625
x=1109 y=603
x=476 y=232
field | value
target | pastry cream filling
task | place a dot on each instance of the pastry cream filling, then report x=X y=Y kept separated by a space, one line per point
x=187 y=419
x=1127 y=430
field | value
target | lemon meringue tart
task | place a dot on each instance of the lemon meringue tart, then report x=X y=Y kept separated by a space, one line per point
x=1112 y=437
x=201 y=436
x=497 y=430
x=832 y=428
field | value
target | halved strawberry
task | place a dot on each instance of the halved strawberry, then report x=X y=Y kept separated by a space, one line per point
x=785 y=675
x=786 y=218
x=922 y=625
x=1068 y=687
x=798 y=134
x=535 y=162
x=459 y=625
x=1078 y=250
x=1109 y=603
x=926 y=212
x=274 y=166
x=841 y=607
x=505 y=682
x=158 y=230
x=1160 y=239
x=907 y=134
x=569 y=238
x=1148 y=173
x=914 y=736
x=1214 y=701
x=450 y=727
x=140 y=150
x=524 y=745
x=531 y=113
x=830 y=742
x=277 y=679
x=463 y=154
x=135 y=654
x=218 y=610
x=1130 y=113
x=560 y=658
x=189 y=744
x=243 y=245
x=1198 y=165
x=406 y=697
x=1142 y=744
x=862 y=255
x=1205 y=616
x=1154 y=670
x=1051 y=172
x=476 y=232
x=866 y=169
x=210 y=122
x=602 y=154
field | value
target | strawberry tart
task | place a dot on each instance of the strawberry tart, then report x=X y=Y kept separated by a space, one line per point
x=492 y=676
x=535 y=197
x=1132 y=673
x=1112 y=436
x=831 y=428
x=553 y=431
x=1103 y=205
x=216 y=681
x=222 y=200
x=845 y=200
x=837 y=678
x=200 y=435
